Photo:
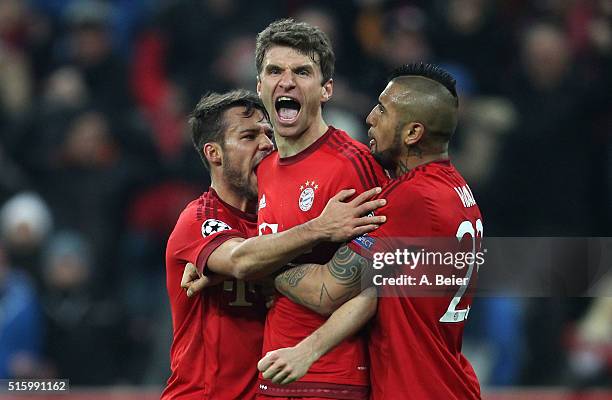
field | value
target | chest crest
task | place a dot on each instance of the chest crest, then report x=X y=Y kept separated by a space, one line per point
x=308 y=191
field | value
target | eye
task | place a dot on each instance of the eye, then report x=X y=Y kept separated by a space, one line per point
x=303 y=72
x=381 y=109
x=274 y=70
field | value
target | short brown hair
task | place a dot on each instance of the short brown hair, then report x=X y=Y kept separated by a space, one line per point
x=305 y=38
x=207 y=119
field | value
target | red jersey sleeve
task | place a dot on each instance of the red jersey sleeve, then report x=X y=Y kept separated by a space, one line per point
x=196 y=239
x=407 y=212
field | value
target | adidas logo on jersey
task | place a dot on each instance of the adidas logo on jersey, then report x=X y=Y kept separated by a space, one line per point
x=262 y=201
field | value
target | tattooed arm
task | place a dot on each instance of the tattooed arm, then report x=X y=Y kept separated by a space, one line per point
x=324 y=288
x=334 y=288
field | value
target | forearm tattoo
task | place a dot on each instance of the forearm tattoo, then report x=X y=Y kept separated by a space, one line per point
x=346 y=270
x=293 y=276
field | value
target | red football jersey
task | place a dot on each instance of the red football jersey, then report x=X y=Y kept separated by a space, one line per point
x=217 y=335
x=415 y=341
x=292 y=191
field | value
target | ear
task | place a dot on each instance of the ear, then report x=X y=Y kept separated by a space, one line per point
x=213 y=153
x=413 y=133
x=258 y=86
x=327 y=90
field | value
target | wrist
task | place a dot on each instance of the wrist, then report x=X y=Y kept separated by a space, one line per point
x=315 y=231
x=308 y=347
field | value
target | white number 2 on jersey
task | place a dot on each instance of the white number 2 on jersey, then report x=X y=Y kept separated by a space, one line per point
x=452 y=314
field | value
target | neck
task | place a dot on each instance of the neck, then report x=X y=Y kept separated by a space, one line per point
x=229 y=195
x=292 y=145
x=408 y=162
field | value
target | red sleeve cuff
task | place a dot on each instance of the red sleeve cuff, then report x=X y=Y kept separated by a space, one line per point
x=212 y=245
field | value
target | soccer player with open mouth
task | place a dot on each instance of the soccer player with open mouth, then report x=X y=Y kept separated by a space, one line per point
x=295 y=64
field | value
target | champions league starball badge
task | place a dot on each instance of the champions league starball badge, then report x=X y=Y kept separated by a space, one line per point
x=211 y=226
x=307 y=195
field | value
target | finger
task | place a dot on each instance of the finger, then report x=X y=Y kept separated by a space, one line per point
x=374 y=220
x=343 y=194
x=265 y=362
x=198 y=285
x=364 y=229
x=187 y=279
x=368 y=194
x=271 y=372
x=192 y=269
x=189 y=274
x=290 y=378
x=369 y=206
x=281 y=376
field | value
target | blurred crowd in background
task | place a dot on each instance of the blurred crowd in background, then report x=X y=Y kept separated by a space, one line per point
x=96 y=161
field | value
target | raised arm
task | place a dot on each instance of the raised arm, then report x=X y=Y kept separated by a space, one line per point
x=324 y=288
x=259 y=256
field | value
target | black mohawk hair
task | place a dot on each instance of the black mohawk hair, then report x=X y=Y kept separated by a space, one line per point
x=430 y=71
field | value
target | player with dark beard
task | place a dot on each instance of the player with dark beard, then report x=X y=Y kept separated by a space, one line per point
x=217 y=336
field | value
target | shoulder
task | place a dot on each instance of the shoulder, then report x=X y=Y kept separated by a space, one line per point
x=204 y=215
x=198 y=209
x=404 y=196
x=430 y=195
x=341 y=145
x=353 y=159
x=409 y=210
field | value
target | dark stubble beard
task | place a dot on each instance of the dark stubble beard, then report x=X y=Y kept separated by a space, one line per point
x=388 y=157
x=238 y=182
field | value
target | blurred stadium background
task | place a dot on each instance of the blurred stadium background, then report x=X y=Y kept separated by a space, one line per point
x=96 y=164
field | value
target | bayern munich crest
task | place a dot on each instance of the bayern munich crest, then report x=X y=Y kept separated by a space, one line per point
x=211 y=226
x=307 y=195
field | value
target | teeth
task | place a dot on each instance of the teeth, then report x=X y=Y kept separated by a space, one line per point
x=284 y=98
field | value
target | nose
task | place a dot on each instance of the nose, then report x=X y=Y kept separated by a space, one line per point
x=286 y=80
x=370 y=119
x=265 y=144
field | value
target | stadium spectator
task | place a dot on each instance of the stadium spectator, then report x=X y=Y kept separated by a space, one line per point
x=21 y=325
x=78 y=321
x=25 y=225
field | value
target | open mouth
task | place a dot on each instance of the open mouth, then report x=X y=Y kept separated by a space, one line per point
x=372 y=142
x=258 y=159
x=287 y=109
x=372 y=146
